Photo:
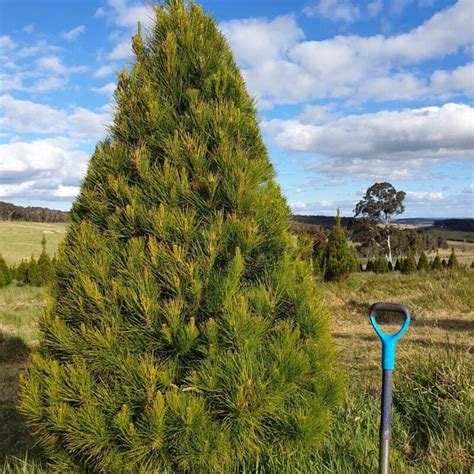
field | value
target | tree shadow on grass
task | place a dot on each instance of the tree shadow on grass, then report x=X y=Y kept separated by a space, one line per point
x=13 y=349
x=362 y=311
x=15 y=439
x=448 y=324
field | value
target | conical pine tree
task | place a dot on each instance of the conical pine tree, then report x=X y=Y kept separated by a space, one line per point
x=436 y=263
x=453 y=263
x=186 y=333
x=423 y=263
x=381 y=265
x=7 y=276
x=409 y=263
x=337 y=260
x=42 y=273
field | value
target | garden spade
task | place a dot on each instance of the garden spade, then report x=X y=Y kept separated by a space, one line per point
x=389 y=342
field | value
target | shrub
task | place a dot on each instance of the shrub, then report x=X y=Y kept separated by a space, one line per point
x=337 y=260
x=21 y=272
x=186 y=333
x=436 y=263
x=423 y=264
x=381 y=265
x=5 y=275
x=370 y=266
x=398 y=266
x=409 y=263
x=42 y=271
x=453 y=263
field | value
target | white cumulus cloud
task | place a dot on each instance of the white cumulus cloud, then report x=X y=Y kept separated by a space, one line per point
x=335 y=10
x=107 y=90
x=24 y=116
x=105 y=70
x=381 y=144
x=424 y=196
x=346 y=66
x=73 y=33
x=54 y=64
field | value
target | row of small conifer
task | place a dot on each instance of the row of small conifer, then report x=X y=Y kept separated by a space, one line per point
x=338 y=259
x=408 y=264
x=35 y=272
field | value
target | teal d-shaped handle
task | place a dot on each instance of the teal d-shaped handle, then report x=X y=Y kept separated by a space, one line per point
x=389 y=341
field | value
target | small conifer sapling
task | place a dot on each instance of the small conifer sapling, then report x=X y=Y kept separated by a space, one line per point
x=453 y=263
x=423 y=263
x=337 y=260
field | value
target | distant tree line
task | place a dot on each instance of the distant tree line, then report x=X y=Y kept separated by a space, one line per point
x=463 y=225
x=327 y=222
x=367 y=244
x=12 y=212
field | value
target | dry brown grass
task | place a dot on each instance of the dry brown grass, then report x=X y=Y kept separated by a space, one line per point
x=464 y=251
x=442 y=306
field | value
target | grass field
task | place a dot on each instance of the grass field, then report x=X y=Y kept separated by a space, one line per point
x=464 y=251
x=453 y=234
x=20 y=240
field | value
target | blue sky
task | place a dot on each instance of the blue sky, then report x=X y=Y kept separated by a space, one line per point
x=348 y=93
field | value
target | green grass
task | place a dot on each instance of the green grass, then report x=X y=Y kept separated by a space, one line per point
x=433 y=386
x=20 y=307
x=20 y=240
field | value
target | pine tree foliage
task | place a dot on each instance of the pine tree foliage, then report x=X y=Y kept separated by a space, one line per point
x=380 y=265
x=436 y=263
x=41 y=272
x=337 y=260
x=185 y=333
x=453 y=263
x=5 y=274
x=409 y=262
x=21 y=272
x=423 y=263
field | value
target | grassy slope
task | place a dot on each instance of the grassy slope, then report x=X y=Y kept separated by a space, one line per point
x=464 y=251
x=19 y=240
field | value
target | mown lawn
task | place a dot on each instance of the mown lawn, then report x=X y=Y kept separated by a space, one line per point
x=433 y=398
